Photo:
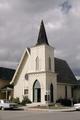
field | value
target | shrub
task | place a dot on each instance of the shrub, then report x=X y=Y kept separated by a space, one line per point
x=25 y=100
x=65 y=102
x=16 y=100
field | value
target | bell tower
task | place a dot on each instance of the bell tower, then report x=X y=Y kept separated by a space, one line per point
x=42 y=69
x=48 y=50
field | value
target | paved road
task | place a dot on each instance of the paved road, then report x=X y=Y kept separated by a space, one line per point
x=26 y=115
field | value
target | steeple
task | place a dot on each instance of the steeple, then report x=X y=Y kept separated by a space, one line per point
x=42 y=37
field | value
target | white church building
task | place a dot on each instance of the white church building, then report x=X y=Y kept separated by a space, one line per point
x=42 y=77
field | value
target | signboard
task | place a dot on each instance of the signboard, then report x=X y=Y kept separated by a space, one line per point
x=46 y=97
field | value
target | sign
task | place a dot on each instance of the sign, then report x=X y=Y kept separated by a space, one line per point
x=46 y=97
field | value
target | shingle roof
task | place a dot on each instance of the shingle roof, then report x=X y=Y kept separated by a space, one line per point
x=42 y=37
x=64 y=73
x=6 y=73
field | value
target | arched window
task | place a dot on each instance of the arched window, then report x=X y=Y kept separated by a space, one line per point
x=37 y=63
x=49 y=63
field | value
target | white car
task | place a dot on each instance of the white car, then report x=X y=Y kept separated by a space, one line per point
x=77 y=106
x=5 y=104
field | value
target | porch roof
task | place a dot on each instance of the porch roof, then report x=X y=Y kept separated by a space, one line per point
x=7 y=87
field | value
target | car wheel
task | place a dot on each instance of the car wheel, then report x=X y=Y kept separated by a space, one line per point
x=2 y=108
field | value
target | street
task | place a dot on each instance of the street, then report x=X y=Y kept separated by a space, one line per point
x=27 y=115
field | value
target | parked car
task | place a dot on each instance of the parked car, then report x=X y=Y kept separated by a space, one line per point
x=5 y=104
x=77 y=106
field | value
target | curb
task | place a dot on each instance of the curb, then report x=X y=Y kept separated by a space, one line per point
x=49 y=110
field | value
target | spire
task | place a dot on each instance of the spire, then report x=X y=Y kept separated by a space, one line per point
x=42 y=37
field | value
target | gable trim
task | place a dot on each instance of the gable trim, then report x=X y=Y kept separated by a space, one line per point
x=18 y=67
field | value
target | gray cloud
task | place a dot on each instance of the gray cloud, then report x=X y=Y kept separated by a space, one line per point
x=19 y=25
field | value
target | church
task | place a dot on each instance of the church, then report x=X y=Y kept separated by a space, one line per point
x=42 y=77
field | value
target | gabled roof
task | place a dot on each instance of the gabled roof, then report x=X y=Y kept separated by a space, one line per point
x=42 y=37
x=6 y=73
x=27 y=50
x=64 y=73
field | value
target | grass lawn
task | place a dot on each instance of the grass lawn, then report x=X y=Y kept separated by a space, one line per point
x=56 y=106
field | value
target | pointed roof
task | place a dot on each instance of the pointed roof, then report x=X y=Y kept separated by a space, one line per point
x=42 y=37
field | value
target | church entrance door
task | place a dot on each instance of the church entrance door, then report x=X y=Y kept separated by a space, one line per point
x=36 y=92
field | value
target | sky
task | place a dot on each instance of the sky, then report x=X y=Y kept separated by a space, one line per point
x=19 y=26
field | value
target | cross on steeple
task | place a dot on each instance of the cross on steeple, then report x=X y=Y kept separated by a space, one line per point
x=42 y=37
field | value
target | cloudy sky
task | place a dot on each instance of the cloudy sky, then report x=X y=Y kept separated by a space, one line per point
x=19 y=26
